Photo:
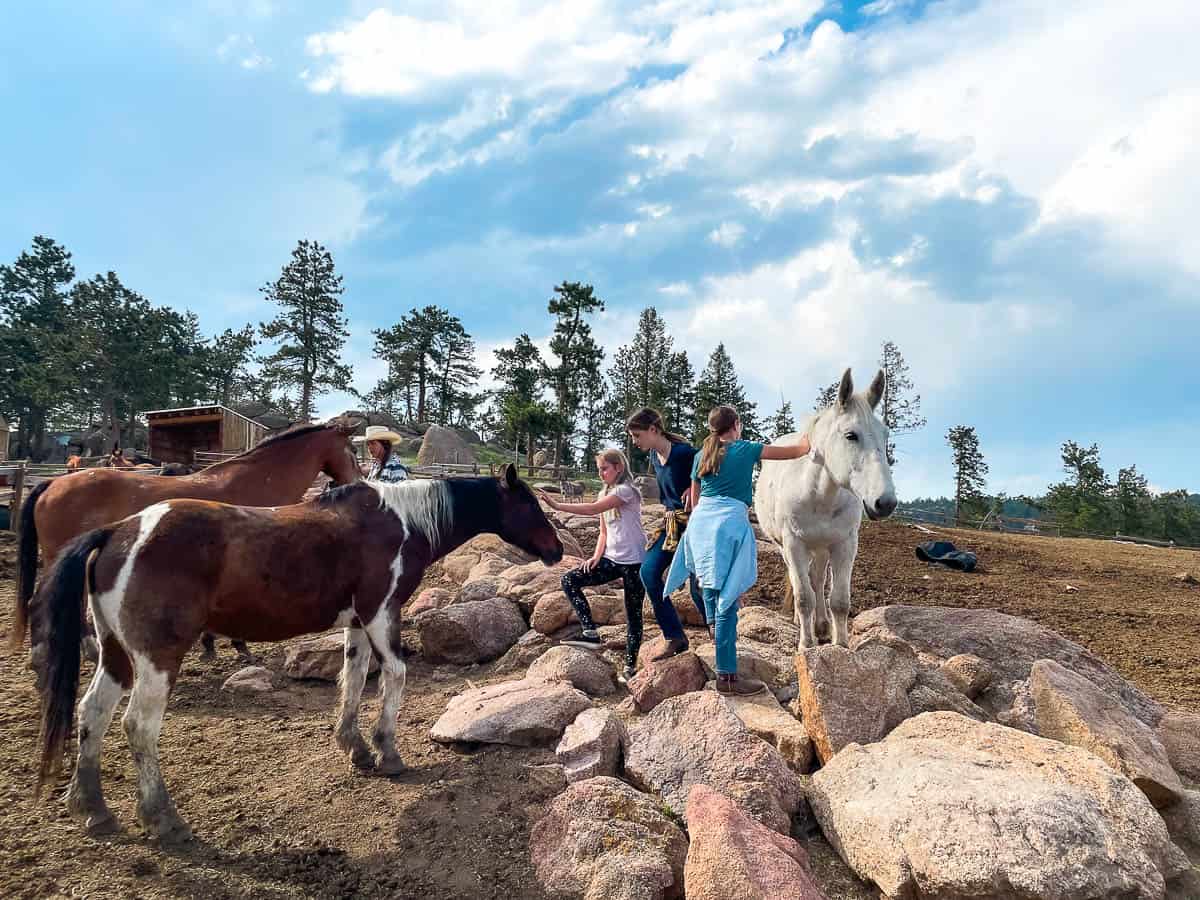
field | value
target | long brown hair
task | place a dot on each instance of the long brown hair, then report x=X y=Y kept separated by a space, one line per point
x=712 y=454
x=614 y=457
x=646 y=418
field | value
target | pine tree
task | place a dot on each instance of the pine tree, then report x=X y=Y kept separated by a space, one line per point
x=826 y=397
x=970 y=470
x=718 y=385
x=225 y=365
x=35 y=329
x=579 y=356
x=1133 y=502
x=679 y=404
x=1083 y=503
x=520 y=407
x=900 y=409
x=311 y=328
x=781 y=422
x=647 y=372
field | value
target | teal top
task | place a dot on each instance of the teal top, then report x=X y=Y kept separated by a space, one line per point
x=735 y=478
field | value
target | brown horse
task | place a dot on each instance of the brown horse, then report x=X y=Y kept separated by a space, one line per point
x=276 y=472
x=158 y=579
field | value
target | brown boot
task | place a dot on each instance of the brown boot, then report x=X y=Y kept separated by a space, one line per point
x=670 y=648
x=731 y=684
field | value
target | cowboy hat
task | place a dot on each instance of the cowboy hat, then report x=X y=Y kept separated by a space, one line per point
x=379 y=433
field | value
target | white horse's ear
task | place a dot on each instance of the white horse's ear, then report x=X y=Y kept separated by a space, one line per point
x=875 y=391
x=845 y=390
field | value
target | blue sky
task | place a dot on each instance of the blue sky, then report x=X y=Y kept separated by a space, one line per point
x=1005 y=189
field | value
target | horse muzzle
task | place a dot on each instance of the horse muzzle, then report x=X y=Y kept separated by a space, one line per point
x=882 y=508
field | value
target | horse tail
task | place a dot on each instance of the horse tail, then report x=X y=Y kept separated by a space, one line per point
x=59 y=599
x=27 y=560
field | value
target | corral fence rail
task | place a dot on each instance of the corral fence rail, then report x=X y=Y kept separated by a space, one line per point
x=1018 y=525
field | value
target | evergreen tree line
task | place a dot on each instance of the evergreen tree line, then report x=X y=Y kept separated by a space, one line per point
x=1086 y=502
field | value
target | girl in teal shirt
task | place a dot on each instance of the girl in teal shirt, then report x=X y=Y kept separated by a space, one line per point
x=719 y=545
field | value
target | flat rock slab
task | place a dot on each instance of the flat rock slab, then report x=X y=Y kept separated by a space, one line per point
x=696 y=739
x=765 y=717
x=577 y=667
x=853 y=696
x=946 y=806
x=602 y=840
x=1009 y=645
x=320 y=657
x=523 y=713
x=1073 y=710
x=592 y=745
x=732 y=857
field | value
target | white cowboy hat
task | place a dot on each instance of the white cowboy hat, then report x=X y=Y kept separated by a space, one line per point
x=378 y=433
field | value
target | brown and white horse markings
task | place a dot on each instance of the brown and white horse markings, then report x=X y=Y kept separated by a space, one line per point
x=178 y=568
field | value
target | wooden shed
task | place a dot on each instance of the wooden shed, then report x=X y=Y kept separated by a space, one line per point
x=176 y=434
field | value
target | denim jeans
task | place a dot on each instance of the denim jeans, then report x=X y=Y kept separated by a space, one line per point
x=654 y=568
x=726 y=629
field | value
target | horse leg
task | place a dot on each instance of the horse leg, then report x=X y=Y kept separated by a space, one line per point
x=243 y=652
x=798 y=560
x=817 y=573
x=142 y=723
x=356 y=661
x=85 y=799
x=209 y=641
x=842 y=558
x=385 y=637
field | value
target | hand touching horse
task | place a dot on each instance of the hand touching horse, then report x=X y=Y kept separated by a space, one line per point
x=158 y=579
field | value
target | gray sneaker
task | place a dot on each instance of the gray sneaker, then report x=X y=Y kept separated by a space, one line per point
x=588 y=640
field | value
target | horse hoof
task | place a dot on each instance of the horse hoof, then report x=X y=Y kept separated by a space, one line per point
x=362 y=759
x=391 y=766
x=170 y=830
x=97 y=826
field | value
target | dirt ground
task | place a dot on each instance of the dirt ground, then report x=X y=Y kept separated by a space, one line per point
x=277 y=812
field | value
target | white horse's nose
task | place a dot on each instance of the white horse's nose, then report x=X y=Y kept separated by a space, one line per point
x=885 y=506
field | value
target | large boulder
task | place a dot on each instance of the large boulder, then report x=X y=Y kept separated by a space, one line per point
x=475 y=589
x=1073 y=710
x=1180 y=733
x=460 y=566
x=552 y=610
x=696 y=739
x=591 y=745
x=320 y=658
x=574 y=666
x=522 y=713
x=667 y=678
x=765 y=717
x=526 y=582
x=765 y=662
x=430 y=598
x=853 y=696
x=602 y=840
x=732 y=857
x=523 y=653
x=948 y=807
x=444 y=445
x=758 y=623
x=467 y=633
x=1009 y=645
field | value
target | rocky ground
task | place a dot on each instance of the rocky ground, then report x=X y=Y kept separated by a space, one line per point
x=278 y=813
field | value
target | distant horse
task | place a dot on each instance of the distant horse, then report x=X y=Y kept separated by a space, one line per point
x=156 y=580
x=812 y=507
x=74 y=462
x=276 y=472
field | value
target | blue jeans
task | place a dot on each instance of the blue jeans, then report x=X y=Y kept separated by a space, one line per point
x=654 y=568
x=726 y=628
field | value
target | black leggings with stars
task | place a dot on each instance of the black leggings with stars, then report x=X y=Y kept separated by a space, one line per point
x=635 y=594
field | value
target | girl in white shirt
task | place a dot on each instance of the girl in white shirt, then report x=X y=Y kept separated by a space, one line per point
x=620 y=549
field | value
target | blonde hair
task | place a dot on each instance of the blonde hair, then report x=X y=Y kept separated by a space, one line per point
x=712 y=454
x=614 y=457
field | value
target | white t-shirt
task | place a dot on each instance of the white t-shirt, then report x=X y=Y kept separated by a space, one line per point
x=626 y=538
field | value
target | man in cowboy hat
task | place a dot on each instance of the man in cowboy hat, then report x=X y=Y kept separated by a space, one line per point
x=386 y=465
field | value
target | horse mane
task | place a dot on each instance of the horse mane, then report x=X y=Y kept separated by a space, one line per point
x=423 y=507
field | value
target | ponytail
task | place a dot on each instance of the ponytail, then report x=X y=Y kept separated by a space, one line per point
x=646 y=418
x=712 y=454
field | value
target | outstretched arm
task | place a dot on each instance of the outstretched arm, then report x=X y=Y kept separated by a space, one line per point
x=787 y=451
x=612 y=501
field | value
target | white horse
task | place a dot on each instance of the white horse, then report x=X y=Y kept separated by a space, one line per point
x=812 y=507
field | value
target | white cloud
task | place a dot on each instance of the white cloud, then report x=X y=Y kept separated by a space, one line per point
x=242 y=49
x=727 y=234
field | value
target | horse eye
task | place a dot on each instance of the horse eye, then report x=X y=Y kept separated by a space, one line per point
x=852 y=436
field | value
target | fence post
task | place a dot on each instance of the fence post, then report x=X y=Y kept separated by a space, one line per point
x=14 y=506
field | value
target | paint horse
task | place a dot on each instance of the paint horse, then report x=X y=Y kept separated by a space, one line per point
x=156 y=580
x=276 y=472
x=812 y=507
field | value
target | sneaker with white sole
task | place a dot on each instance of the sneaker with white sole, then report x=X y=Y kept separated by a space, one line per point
x=588 y=640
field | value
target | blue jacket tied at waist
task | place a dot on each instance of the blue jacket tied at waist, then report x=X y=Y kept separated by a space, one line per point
x=719 y=548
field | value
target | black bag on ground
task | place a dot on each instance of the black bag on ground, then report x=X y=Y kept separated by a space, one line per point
x=947 y=554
